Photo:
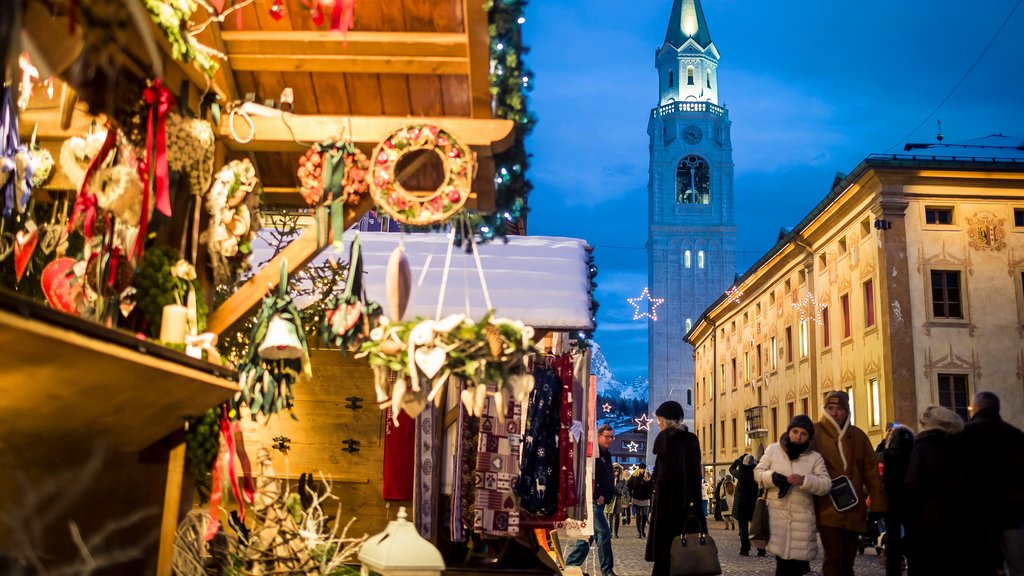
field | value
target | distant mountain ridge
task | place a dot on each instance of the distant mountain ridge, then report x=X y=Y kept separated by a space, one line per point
x=608 y=385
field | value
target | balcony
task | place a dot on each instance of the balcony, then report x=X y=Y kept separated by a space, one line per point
x=755 y=425
x=688 y=106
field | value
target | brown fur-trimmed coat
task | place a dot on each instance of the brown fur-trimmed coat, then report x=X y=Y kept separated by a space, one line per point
x=848 y=452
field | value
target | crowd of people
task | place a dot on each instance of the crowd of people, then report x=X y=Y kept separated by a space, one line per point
x=826 y=482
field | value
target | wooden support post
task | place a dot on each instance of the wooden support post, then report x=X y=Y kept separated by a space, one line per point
x=172 y=506
x=479 y=42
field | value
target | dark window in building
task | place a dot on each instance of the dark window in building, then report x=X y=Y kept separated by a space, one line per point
x=789 y=344
x=689 y=76
x=938 y=215
x=759 y=367
x=735 y=435
x=709 y=79
x=693 y=181
x=689 y=397
x=953 y=393
x=735 y=376
x=946 y=294
x=775 y=422
x=826 y=329
x=721 y=428
x=869 y=304
x=789 y=411
x=804 y=407
x=845 y=300
x=1018 y=217
x=671 y=79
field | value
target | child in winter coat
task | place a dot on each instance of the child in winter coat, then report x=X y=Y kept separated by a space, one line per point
x=793 y=475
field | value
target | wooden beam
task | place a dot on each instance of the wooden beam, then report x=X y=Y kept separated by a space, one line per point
x=478 y=40
x=171 y=509
x=226 y=70
x=321 y=43
x=278 y=133
x=49 y=119
x=298 y=252
x=342 y=63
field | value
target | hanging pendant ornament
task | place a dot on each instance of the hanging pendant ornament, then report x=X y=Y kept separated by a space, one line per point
x=422 y=209
x=25 y=242
x=316 y=13
x=277 y=10
x=398 y=282
x=58 y=279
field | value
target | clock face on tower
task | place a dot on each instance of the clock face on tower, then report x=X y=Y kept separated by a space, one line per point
x=693 y=134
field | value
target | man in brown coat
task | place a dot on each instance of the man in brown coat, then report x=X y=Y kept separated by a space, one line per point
x=847 y=452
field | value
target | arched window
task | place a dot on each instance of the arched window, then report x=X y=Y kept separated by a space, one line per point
x=700 y=259
x=687 y=259
x=709 y=78
x=693 y=181
x=689 y=75
x=689 y=397
x=689 y=324
x=671 y=79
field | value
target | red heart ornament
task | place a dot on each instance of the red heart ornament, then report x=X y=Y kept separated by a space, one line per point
x=24 y=245
x=56 y=279
x=352 y=314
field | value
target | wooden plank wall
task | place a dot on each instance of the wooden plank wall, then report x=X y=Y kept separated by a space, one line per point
x=324 y=422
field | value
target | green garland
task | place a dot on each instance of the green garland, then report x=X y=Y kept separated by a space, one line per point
x=171 y=16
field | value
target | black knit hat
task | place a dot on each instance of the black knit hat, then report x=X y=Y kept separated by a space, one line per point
x=802 y=421
x=838 y=397
x=670 y=410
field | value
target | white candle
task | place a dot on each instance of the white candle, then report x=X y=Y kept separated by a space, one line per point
x=174 y=324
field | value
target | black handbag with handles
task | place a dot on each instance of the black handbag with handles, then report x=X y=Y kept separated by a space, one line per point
x=760 y=529
x=694 y=553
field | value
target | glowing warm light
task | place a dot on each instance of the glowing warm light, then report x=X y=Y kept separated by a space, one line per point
x=650 y=309
x=606 y=407
x=809 y=308
x=632 y=447
x=643 y=422
x=689 y=18
x=734 y=294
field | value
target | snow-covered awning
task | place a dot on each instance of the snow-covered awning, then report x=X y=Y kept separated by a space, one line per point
x=543 y=281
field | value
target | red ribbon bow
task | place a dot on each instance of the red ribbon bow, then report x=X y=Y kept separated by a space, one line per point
x=160 y=100
x=85 y=204
x=225 y=466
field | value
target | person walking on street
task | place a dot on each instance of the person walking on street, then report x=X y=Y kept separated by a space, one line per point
x=613 y=509
x=728 y=490
x=640 y=489
x=847 y=452
x=793 y=474
x=677 y=496
x=604 y=491
x=936 y=499
x=894 y=455
x=746 y=497
x=995 y=449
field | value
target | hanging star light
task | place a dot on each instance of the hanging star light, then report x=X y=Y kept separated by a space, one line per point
x=734 y=294
x=633 y=469
x=606 y=407
x=650 y=310
x=643 y=422
x=809 y=308
x=632 y=447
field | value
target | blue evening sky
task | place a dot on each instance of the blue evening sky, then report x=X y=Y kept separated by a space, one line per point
x=812 y=88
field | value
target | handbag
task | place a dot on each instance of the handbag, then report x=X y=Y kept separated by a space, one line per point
x=693 y=553
x=759 y=526
x=842 y=494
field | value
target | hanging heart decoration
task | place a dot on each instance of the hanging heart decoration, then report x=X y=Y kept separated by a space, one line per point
x=430 y=360
x=25 y=242
x=58 y=280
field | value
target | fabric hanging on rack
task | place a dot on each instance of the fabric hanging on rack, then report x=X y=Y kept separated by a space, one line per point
x=399 y=449
x=497 y=513
x=538 y=482
x=426 y=479
x=465 y=475
x=567 y=495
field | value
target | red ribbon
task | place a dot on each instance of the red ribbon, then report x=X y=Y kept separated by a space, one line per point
x=85 y=204
x=225 y=466
x=160 y=100
x=343 y=17
x=112 y=267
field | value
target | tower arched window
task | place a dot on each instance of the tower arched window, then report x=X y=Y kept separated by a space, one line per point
x=689 y=75
x=687 y=259
x=671 y=79
x=693 y=181
x=709 y=78
x=689 y=397
x=689 y=324
x=700 y=259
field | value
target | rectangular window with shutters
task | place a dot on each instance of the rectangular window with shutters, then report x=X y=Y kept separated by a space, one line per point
x=746 y=367
x=775 y=422
x=721 y=428
x=940 y=215
x=759 y=370
x=773 y=354
x=805 y=406
x=849 y=392
x=953 y=393
x=1018 y=217
x=735 y=435
x=826 y=328
x=789 y=411
x=805 y=338
x=789 y=344
x=875 y=411
x=844 y=301
x=946 y=294
x=869 y=304
x=735 y=376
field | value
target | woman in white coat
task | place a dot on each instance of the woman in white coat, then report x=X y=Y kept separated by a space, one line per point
x=793 y=475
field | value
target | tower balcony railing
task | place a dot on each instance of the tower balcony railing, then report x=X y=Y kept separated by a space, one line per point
x=688 y=106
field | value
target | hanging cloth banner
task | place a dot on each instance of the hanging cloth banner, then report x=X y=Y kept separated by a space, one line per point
x=399 y=452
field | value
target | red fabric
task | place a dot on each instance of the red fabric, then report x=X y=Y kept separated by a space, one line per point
x=399 y=462
x=160 y=100
x=567 y=458
x=85 y=204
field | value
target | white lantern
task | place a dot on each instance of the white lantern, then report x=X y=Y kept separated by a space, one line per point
x=400 y=551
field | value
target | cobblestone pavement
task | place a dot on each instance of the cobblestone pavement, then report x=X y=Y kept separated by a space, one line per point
x=629 y=556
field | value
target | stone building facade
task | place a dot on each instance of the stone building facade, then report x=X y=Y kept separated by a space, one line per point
x=903 y=287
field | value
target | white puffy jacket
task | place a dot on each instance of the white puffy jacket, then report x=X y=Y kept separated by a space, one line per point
x=794 y=535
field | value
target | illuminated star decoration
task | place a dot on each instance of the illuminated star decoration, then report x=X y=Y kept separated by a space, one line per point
x=632 y=447
x=809 y=308
x=606 y=407
x=650 y=310
x=734 y=294
x=643 y=422
x=633 y=469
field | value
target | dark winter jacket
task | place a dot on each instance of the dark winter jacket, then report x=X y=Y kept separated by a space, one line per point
x=639 y=488
x=604 y=477
x=677 y=494
x=936 y=506
x=894 y=458
x=746 y=490
x=995 y=449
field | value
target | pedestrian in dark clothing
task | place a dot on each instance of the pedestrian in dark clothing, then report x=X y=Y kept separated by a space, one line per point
x=937 y=499
x=995 y=451
x=746 y=497
x=677 y=495
x=604 y=492
x=894 y=456
x=640 y=488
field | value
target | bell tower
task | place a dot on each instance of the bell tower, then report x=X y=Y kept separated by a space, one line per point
x=691 y=238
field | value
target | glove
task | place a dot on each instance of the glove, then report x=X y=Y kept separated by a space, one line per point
x=782 y=483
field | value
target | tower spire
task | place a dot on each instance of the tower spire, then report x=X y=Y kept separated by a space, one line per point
x=687 y=21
